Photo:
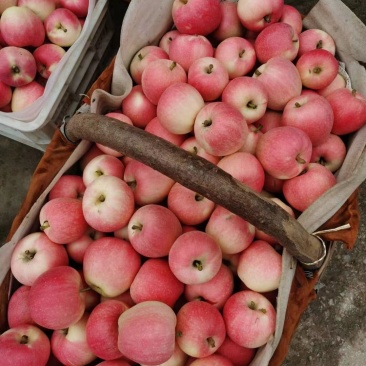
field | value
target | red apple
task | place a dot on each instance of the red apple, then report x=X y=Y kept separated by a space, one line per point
x=25 y=95
x=167 y=38
x=315 y=39
x=6 y=93
x=254 y=134
x=78 y=7
x=191 y=145
x=238 y=355
x=290 y=15
x=47 y=58
x=338 y=82
x=68 y=185
x=7 y=4
x=269 y=120
x=18 y=308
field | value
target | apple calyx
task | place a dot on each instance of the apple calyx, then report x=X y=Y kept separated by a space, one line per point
x=101 y=198
x=321 y=161
x=241 y=53
x=137 y=227
x=298 y=105
x=140 y=57
x=15 y=69
x=29 y=255
x=178 y=333
x=172 y=66
x=198 y=197
x=316 y=70
x=211 y=342
x=251 y=105
x=45 y=225
x=267 y=18
x=99 y=173
x=198 y=264
x=207 y=123
x=132 y=184
x=24 y=339
x=300 y=160
x=60 y=26
x=319 y=45
x=209 y=69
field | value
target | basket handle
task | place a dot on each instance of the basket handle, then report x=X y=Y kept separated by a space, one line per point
x=202 y=177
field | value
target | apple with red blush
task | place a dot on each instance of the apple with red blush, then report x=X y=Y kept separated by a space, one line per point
x=18 y=307
x=290 y=15
x=167 y=38
x=191 y=145
x=315 y=39
x=238 y=355
x=6 y=94
x=7 y=4
x=25 y=95
x=78 y=7
x=254 y=134
x=47 y=58
x=338 y=83
x=68 y=185
x=42 y=8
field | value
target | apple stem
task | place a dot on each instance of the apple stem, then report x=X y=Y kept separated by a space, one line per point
x=62 y=28
x=173 y=65
x=140 y=56
x=195 y=150
x=251 y=105
x=211 y=342
x=252 y=305
x=319 y=44
x=241 y=53
x=45 y=225
x=297 y=105
x=178 y=333
x=354 y=92
x=264 y=311
x=257 y=72
x=267 y=18
x=137 y=227
x=99 y=173
x=300 y=160
x=184 y=1
x=321 y=161
x=24 y=339
x=209 y=69
x=259 y=128
x=198 y=265
x=15 y=69
x=317 y=70
x=207 y=123
x=28 y=255
x=198 y=197
x=85 y=289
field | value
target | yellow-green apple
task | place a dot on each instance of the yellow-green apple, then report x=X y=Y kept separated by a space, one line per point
x=301 y=191
x=196 y=16
x=238 y=355
x=252 y=311
x=254 y=134
x=248 y=95
x=317 y=68
x=102 y=165
x=191 y=145
x=18 y=309
x=158 y=75
x=212 y=360
x=195 y=257
x=155 y=281
x=352 y=118
x=290 y=15
x=269 y=120
x=35 y=254
x=108 y=203
x=17 y=66
x=272 y=184
x=260 y=267
x=25 y=95
x=148 y=185
x=68 y=185
x=315 y=39
x=230 y=25
x=142 y=58
x=282 y=80
x=146 y=332
x=244 y=167
x=57 y=298
x=152 y=230
x=70 y=345
x=200 y=329
x=106 y=256
x=284 y=151
x=21 y=27
x=47 y=58
x=278 y=39
x=6 y=93
x=43 y=8
x=331 y=153
x=102 y=329
x=178 y=107
x=78 y=7
x=237 y=54
x=186 y=48
x=311 y=113
x=138 y=108
x=231 y=232
x=256 y=17
x=190 y=207
x=25 y=345
x=167 y=38
x=62 y=220
x=220 y=128
x=62 y=27
x=7 y=4
x=338 y=82
x=209 y=76
x=215 y=291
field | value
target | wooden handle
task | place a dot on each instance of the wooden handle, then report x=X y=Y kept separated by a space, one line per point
x=200 y=176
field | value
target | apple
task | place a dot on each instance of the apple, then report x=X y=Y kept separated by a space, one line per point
x=6 y=94
x=350 y=119
x=58 y=288
x=178 y=107
x=254 y=134
x=282 y=80
x=331 y=153
x=195 y=257
x=238 y=355
x=125 y=297
x=212 y=360
x=252 y=311
x=301 y=191
x=21 y=27
x=108 y=203
x=78 y=7
x=62 y=220
x=119 y=362
x=146 y=332
x=237 y=54
x=47 y=58
x=269 y=120
x=248 y=95
x=190 y=208
x=102 y=329
x=155 y=281
x=62 y=27
x=256 y=17
x=103 y=258
x=152 y=230
x=25 y=345
x=42 y=8
x=178 y=358
x=220 y=128
x=25 y=95
x=200 y=329
x=315 y=39
x=209 y=76
x=89 y=155
x=317 y=68
x=92 y=298
x=278 y=39
x=68 y=185
x=142 y=58
x=7 y=4
x=18 y=307
x=338 y=82
x=284 y=151
x=191 y=145
x=272 y=184
x=311 y=113
x=290 y=15
x=200 y=17
x=17 y=66
x=167 y=38
x=70 y=345
x=33 y=255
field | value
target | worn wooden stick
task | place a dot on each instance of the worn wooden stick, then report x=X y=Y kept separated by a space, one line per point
x=200 y=176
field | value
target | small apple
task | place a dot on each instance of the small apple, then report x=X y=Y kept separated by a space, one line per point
x=6 y=93
x=18 y=307
x=238 y=355
x=290 y=15
x=43 y=8
x=47 y=57
x=78 y=7
x=316 y=39
x=25 y=95
x=69 y=185
x=167 y=38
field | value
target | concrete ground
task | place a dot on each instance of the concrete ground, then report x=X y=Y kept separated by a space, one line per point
x=332 y=330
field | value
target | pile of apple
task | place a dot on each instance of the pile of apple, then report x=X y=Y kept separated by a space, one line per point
x=130 y=267
x=34 y=36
